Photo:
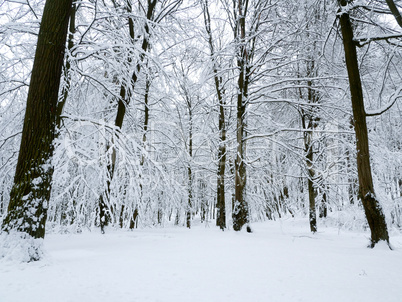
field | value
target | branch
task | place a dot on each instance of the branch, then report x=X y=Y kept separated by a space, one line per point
x=30 y=7
x=273 y=133
x=99 y=123
x=11 y=136
x=384 y=108
x=370 y=8
x=394 y=10
x=361 y=41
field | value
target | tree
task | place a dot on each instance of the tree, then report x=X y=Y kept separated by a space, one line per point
x=126 y=90
x=394 y=10
x=308 y=115
x=246 y=17
x=160 y=98
x=220 y=94
x=15 y=72
x=372 y=208
x=312 y=95
x=29 y=197
x=151 y=17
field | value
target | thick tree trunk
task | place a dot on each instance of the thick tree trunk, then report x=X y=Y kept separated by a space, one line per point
x=29 y=197
x=372 y=208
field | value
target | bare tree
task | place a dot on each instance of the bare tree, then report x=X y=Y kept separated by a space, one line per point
x=372 y=207
x=220 y=94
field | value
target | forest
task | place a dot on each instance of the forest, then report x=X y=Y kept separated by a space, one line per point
x=139 y=114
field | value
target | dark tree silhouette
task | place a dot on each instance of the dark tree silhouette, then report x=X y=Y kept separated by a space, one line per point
x=29 y=197
x=372 y=208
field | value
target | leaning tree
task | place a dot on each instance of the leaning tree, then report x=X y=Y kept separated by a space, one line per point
x=371 y=205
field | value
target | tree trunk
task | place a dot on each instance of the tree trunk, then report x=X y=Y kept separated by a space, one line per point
x=308 y=148
x=394 y=10
x=29 y=197
x=220 y=195
x=310 y=116
x=124 y=100
x=240 y=208
x=220 y=188
x=67 y=68
x=311 y=189
x=323 y=206
x=372 y=208
x=189 y=170
x=134 y=218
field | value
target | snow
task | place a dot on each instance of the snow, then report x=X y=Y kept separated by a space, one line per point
x=279 y=261
x=18 y=247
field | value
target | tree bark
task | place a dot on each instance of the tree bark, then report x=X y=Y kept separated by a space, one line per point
x=311 y=189
x=372 y=208
x=323 y=206
x=220 y=192
x=220 y=195
x=67 y=68
x=124 y=100
x=308 y=126
x=240 y=213
x=189 y=170
x=240 y=208
x=29 y=197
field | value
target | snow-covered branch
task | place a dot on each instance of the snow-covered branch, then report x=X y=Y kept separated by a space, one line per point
x=361 y=41
x=387 y=106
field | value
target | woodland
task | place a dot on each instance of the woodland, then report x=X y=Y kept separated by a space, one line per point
x=140 y=114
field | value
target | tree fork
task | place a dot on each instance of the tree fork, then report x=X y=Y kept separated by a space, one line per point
x=240 y=208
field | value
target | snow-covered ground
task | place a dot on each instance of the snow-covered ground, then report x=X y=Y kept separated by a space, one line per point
x=279 y=261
